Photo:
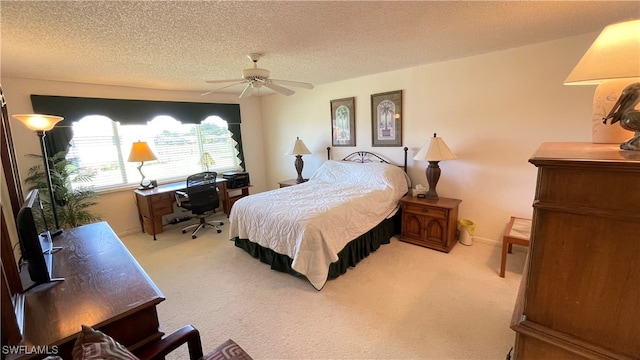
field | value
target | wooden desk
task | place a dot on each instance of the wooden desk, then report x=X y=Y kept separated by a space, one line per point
x=104 y=287
x=154 y=203
x=232 y=195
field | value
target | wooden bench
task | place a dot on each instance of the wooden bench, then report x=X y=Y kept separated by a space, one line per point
x=518 y=232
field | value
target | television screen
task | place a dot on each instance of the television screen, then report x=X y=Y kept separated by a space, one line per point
x=36 y=245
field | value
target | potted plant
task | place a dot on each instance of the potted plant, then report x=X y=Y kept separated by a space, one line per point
x=72 y=205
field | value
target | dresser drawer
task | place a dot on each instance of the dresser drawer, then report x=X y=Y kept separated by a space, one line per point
x=425 y=210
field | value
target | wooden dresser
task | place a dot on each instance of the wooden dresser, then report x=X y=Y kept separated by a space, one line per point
x=580 y=294
x=104 y=287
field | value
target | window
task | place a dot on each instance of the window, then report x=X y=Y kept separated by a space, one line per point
x=100 y=147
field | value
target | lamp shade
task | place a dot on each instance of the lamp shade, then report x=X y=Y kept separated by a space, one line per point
x=614 y=55
x=140 y=151
x=39 y=122
x=298 y=148
x=207 y=160
x=435 y=150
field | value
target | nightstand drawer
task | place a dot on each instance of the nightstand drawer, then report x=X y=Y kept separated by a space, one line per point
x=425 y=210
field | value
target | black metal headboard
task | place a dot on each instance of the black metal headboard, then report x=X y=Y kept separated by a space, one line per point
x=366 y=156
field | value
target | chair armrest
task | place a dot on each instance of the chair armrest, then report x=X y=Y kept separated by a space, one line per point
x=159 y=349
x=180 y=196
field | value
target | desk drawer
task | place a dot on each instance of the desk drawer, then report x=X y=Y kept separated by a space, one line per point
x=162 y=207
x=162 y=198
x=425 y=210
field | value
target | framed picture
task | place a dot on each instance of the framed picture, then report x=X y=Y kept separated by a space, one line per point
x=343 y=122
x=386 y=119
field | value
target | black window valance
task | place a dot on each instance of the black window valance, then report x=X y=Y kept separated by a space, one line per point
x=128 y=112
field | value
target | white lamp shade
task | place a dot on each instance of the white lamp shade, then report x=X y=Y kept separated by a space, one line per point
x=39 y=122
x=614 y=55
x=435 y=150
x=298 y=148
x=140 y=151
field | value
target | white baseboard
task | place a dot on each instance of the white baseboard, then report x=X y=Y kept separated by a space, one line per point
x=485 y=240
x=130 y=232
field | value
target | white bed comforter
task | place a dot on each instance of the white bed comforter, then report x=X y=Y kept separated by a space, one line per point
x=313 y=221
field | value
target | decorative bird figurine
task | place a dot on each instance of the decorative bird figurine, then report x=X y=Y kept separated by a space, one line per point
x=624 y=112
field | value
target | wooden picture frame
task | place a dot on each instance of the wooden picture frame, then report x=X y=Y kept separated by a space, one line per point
x=343 y=122
x=386 y=119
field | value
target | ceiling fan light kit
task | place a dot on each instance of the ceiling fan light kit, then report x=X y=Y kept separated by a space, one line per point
x=256 y=77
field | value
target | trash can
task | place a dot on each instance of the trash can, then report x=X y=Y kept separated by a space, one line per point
x=467 y=228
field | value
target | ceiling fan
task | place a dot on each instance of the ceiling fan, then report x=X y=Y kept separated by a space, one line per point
x=255 y=78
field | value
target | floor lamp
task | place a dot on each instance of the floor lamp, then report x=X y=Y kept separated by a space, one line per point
x=298 y=149
x=40 y=124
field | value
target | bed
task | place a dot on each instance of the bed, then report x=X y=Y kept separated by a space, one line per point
x=320 y=228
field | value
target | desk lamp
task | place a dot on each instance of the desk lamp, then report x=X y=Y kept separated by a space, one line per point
x=40 y=124
x=613 y=63
x=298 y=149
x=141 y=152
x=206 y=160
x=434 y=151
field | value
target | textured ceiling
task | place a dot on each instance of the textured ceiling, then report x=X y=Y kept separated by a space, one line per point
x=177 y=45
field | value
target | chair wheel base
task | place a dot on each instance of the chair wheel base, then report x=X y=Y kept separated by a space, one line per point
x=219 y=231
x=184 y=231
x=193 y=236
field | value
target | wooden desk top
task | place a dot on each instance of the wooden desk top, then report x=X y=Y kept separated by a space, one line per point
x=103 y=283
x=170 y=187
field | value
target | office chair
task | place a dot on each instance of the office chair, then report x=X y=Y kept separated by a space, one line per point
x=201 y=197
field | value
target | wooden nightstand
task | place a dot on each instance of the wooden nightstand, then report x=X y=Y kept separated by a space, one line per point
x=289 y=182
x=430 y=223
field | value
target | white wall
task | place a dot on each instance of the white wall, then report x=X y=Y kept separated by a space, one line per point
x=118 y=207
x=492 y=110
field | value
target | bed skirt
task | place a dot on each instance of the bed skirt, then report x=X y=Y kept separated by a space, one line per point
x=349 y=256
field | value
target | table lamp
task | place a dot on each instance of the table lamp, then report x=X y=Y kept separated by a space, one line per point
x=613 y=63
x=434 y=151
x=206 y=160
x=141 y=152
x=298 y=149
x=40 y=124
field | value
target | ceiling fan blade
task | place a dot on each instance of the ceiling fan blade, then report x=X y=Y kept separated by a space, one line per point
x=244 y=93
x=223 y=81
x=293 y=83
x=224 y=87
x=282 y=90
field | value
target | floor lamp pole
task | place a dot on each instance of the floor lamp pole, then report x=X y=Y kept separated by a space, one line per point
x=47 y=172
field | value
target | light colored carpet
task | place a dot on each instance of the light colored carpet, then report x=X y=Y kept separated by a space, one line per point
x=402 y=302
